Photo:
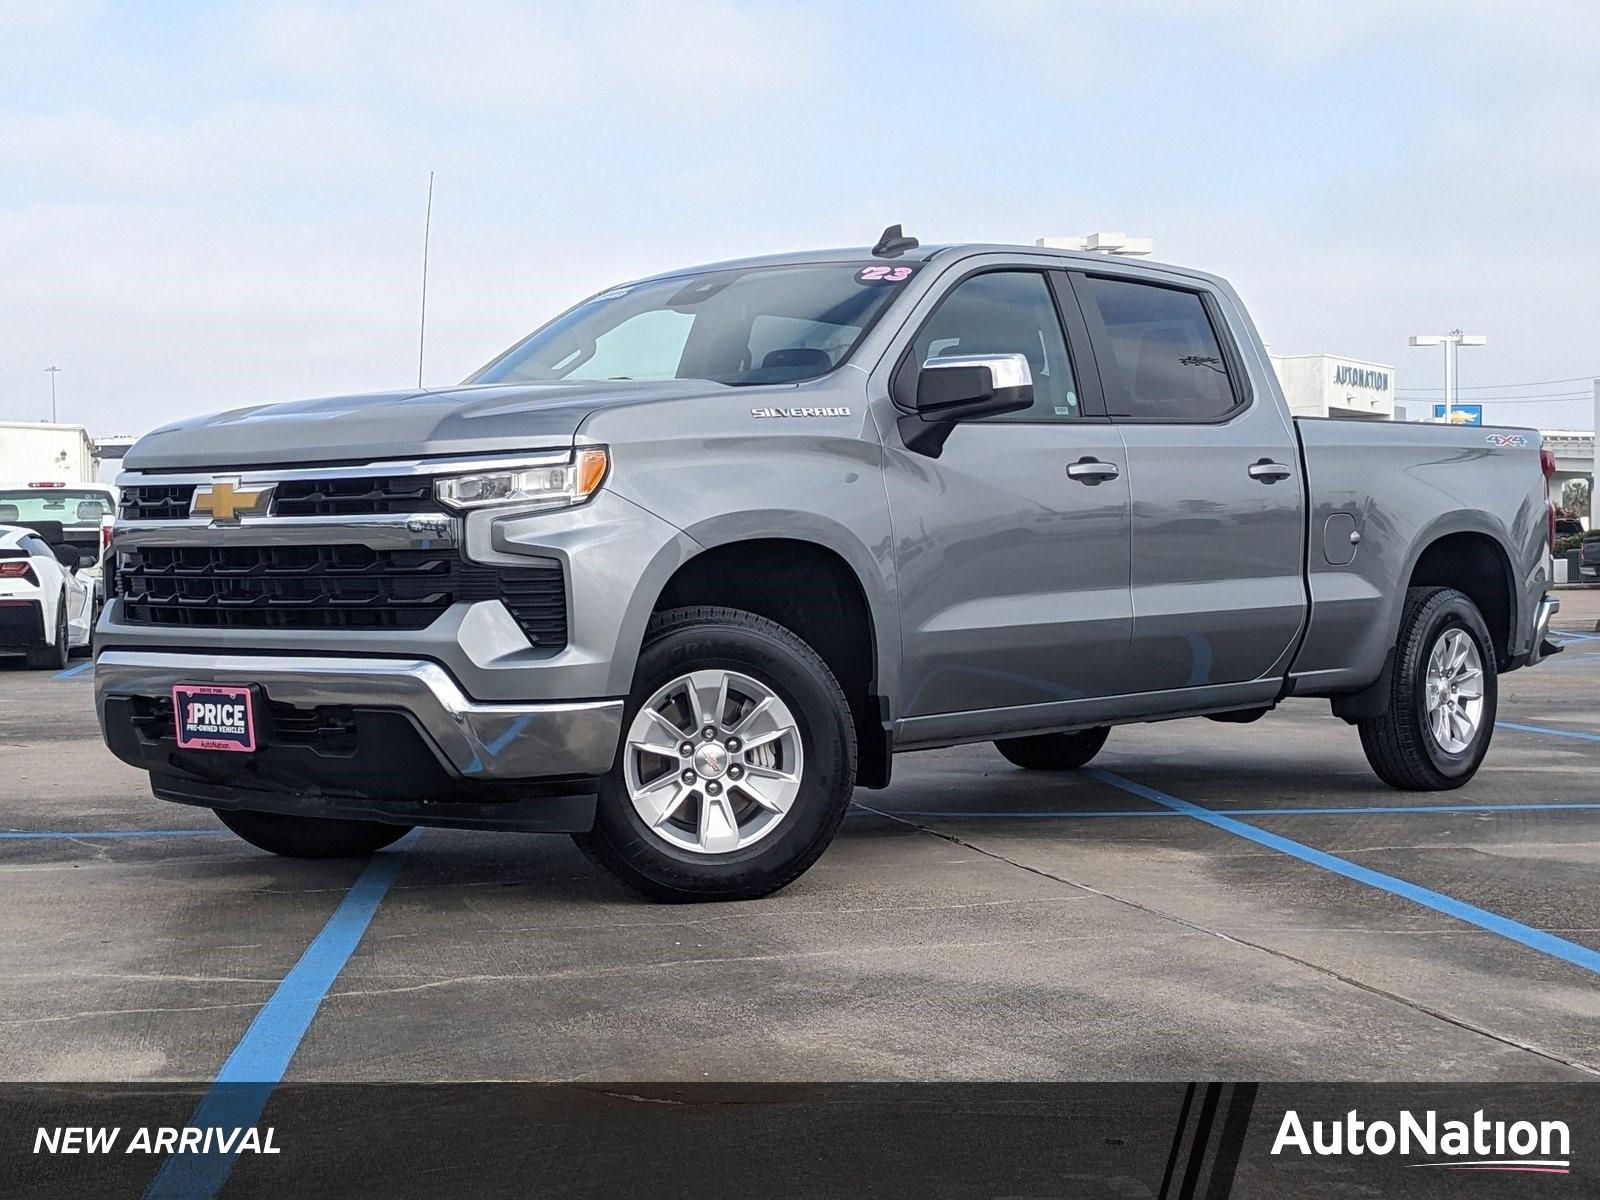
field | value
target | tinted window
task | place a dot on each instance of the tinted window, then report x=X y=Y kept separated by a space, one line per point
x=1164 y=363
x=1007 y=312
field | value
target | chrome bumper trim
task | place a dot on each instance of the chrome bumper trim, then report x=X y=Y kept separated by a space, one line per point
x=1549 y=606
x=477 y=741
x=381 y=531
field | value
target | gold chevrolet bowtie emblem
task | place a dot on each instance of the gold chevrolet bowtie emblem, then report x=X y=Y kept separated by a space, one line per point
x=224 y=501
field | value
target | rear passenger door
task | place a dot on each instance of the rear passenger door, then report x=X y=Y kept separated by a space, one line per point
x=1214 y=470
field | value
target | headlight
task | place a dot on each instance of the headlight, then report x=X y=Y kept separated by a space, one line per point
x=542 y=487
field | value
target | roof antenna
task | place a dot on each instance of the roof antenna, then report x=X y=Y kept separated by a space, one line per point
x=422 y=324
x=893 y=243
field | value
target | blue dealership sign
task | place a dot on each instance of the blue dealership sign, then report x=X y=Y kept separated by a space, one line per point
x=1460 y=414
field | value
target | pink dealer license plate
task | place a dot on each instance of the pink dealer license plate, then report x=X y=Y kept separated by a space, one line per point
x=210 y=717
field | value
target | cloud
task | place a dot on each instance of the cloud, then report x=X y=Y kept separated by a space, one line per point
x=497 y=55
x=238 y=147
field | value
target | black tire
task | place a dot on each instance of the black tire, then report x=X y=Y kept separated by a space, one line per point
x=1054 y=751
x=1400 y=744
x=705 y=638
x=53 y=658
x=310 y=837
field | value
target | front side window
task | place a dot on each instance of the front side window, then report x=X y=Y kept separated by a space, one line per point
x=1165 y=363
x=738 y=327
x=1007 y=312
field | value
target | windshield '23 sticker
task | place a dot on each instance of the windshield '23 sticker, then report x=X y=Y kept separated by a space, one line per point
x=884 y=273
x=1506 y=439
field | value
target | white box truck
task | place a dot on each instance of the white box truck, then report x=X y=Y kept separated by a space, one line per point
x=48 y=453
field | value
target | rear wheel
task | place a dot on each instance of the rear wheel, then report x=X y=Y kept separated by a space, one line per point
x=1054 y=751
x=310 y=837
x=53 y=658
x=1442 y=698
x=737 y=761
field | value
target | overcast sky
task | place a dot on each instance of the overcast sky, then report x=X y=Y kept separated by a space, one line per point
x=208 y=205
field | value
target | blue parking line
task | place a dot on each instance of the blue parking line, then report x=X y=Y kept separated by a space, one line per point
x=1580 y=734
x=72 y=671
x=240 y=1091
x=20 y=835
x=1525 y=935
x=1568 y=635
x=1328 y=811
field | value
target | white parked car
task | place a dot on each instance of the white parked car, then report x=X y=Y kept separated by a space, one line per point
x=86 y=512
x=47 y=598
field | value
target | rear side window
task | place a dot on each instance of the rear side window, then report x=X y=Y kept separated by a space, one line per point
x=1165 y=363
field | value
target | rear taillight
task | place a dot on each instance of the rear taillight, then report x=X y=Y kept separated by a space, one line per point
x=105 y=538
x=1547 y=466
x=18 y=570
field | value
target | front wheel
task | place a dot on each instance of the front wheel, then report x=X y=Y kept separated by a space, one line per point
x=310 y=837
x=737 y=762
x=1442 y=698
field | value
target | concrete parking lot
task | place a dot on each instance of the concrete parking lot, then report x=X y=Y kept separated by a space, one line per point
x=1215 y=901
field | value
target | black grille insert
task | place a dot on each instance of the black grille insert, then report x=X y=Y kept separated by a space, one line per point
x=330 y=587
x=354 y=497
x=156 y=502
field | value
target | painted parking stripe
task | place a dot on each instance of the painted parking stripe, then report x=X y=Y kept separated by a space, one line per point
x=1524 y=935
x=242 y=1087
x=22 y=835
x=72 y=671
x=1337 y=810
x=1581 y=734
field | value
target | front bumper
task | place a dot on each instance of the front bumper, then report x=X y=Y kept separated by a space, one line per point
x=472 y=741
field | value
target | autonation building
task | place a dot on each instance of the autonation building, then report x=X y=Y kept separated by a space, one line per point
x=1322 y=385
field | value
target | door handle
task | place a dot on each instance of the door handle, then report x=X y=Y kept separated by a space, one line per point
x=1092 y=471
x=1267 y=471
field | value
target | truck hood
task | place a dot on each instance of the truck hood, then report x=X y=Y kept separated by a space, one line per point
x=412 y=424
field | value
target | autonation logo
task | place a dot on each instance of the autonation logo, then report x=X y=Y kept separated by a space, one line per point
x=1476 y=1145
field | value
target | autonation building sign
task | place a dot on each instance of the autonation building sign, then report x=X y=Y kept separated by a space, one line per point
x=1350 y=375
x=1325 y=385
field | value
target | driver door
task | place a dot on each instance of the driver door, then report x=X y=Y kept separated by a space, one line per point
x=1013 y=574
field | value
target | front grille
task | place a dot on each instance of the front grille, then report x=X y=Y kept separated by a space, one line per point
x=354 y=497
x=357 y=497
x=329 y=587
x=156 y=502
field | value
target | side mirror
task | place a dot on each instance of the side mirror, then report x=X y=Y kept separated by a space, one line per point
x=69 y=557
x=964 y=388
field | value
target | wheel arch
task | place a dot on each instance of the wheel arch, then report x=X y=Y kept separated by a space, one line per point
x=1476 y=563
x=813 y=589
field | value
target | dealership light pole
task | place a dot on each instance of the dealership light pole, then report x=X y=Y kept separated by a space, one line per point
x=52 y=372
x=1450 y=341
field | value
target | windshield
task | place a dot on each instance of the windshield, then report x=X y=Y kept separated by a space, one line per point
x=54 y=504
x=739 y=327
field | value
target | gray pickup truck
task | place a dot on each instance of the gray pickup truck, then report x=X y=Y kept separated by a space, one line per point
x=691 y=562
